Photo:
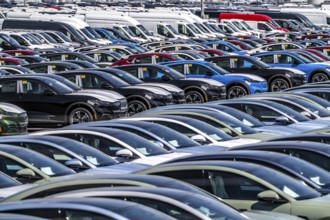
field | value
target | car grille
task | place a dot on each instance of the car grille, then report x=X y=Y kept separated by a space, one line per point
x=22 y=119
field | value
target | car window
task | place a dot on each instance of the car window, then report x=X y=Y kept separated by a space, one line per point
x=162 y=59
x=179 y=128
x=242 y=63
x=40 y=69
x=285 y=59
x=33 y=87
x=168 y=209
x=232 y=186
x=224 y=48
x=8 y=87
x=262 y=113
x=92 y=82
x=198 y=69
x=274 y=47
x=55 y=57
x=9 y=166
x=179 y=68
x=224 y=63
x=315 y=158
x=146 y=59
x=132 y=71
x=152 y=73
x=267 y=58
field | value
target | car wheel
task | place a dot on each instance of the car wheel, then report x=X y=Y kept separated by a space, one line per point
x=278 y=85
x=194 y=97
x=136 y=106
x=320 y=77
x=80 y=115
x=236 y=91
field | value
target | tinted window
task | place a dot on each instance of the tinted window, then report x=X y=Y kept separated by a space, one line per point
x=151 y=73
x=267 y=58
x=33 y=87
x=8 y=87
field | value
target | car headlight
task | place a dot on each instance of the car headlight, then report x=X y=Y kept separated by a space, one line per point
x=210 y=87
x=99 y=103
x=289 y=75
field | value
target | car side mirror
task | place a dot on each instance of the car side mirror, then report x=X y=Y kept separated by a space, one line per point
x=296 y=62
x=124 y=153
x=48 y=92
x=269 y=196
x=74 y=164
x=26 y=173
x=209 y=73
x=282 y=120
x=199 y=139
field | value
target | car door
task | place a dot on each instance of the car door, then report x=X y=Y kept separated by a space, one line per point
x=151 y=74
x=242 y=65
x=225 y=63
x=286 y=60
x=198 y=71
x=42 y=103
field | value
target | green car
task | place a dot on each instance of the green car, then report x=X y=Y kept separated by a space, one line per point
x=249 y=186
x=13 y=119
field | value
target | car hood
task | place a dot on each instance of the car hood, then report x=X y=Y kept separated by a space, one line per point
x=209 y=81
x=322 y=201
x=154 y=160
x=282 y=130
x=261 y=136
x=113 y=94
x=94 y=96
x=150 y=89
x=121 y=168
x=248 y=76
x=236 y=142
x=167 y=87
x=11 y=108
x=5 y=192
x=261 y=215
x=308 y=125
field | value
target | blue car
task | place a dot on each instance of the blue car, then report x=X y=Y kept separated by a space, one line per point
x=315 y=72
x=236 y=84
x=108 y=35
x=312 y=43
x=225 y=46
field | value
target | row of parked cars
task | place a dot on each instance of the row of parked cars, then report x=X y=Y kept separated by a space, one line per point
x=176 y=129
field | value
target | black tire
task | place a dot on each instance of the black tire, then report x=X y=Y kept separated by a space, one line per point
x=236 y=91
x=194 y=97
x=320 y=77
x=278 y=84
x=136 y=106
x=80 y=115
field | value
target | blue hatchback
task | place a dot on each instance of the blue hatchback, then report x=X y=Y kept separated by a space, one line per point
x=315 y=72
x=237 y=84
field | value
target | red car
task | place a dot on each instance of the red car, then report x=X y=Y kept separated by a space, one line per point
x=12 y=61
x=314 y=36
x=240 y=44
x=214 y=52
x=152 y=58
x=323 y=49
x=21 y=52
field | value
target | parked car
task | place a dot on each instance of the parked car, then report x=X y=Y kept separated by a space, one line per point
x=52 y=67
x=196 y=90
x=277 y=78
x=13 y=120
x=50 y=103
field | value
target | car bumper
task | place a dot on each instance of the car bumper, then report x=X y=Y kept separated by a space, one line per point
x=213 y=95
x=117 y=110
x=258 y=87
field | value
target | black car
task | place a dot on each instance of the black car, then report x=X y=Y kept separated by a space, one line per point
x=50 y=103
x=196 y=90
x=52 y=67
x=82 y=63
x=139 y=98
x=277 y=78
x=177 y=93
x=32 y=58
x=62 y=56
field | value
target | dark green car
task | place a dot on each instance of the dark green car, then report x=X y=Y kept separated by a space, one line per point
x=13 y=119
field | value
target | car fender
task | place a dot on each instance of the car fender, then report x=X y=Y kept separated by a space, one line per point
x=196 y=88
x=239 y=83
x=79 y=104
x=281 y=76
x=145 y=101
x=317 y=71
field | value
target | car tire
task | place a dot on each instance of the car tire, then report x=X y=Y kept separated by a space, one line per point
x=136 y=106
x=80 y=115
x=278 y=84
x=194 y=97
x=236 y=91
x=319 y=77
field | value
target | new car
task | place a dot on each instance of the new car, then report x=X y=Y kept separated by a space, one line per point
x=315 y=72
x=277 y=78
x=50 y=103
x=196 y=90
x=52 y=67
x=236 y=84
x=139 y=98
x=13 y=120
x=249 y=186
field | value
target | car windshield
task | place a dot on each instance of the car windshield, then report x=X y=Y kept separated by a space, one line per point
x=31 y=39
x=172 y=29
x=48 y=37
x=239 y=25
x=115 y=81
x=305 y=60
x=127 y=30
x=218 y=69
x=247 y=26
x=87 y=34
x=209 y=130
x=174 y=138
x=64 y=37
x=261 y=64
x=93 y=32
x=90 y=154
x=173 y=73
x=308 y=170
x=142 y=145
x=9 y=39
x=288 y=185
x=288 y=111
x=200 y=27
x=46 y=165
x=316 y=99
x=314 y=108
x=144 y=30
x=193 y=28
x=6 y=181
x=127 y=77
x=211 y=209
x=58 y=86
